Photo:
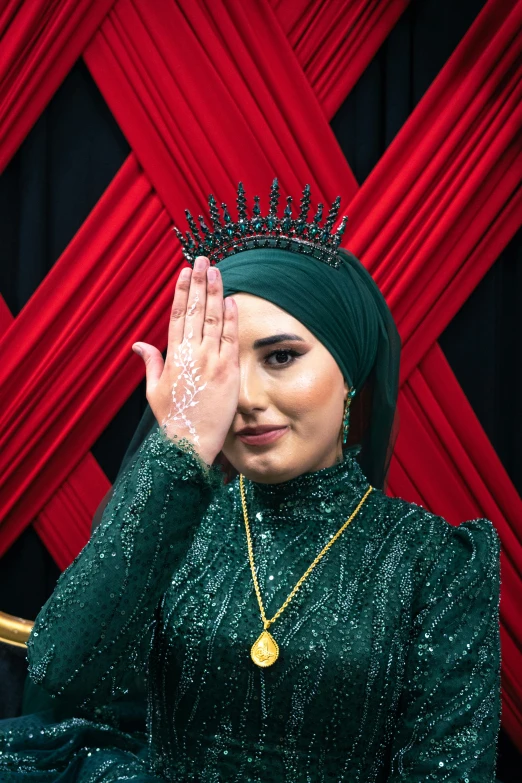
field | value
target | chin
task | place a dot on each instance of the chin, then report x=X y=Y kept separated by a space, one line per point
x=263 y=466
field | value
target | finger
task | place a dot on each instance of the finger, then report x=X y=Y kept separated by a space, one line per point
x=195 y=314
x=229 y=345
x=153 y=364
x=213 y=323
x=178 y=309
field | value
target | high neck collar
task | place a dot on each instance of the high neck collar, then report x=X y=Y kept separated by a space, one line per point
x=344 y=477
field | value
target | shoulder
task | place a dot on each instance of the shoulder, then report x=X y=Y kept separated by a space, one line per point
x=473 y=545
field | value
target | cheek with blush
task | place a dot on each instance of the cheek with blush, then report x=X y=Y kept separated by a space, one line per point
x=310 y=400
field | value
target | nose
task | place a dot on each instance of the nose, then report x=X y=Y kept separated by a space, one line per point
x=252 y=391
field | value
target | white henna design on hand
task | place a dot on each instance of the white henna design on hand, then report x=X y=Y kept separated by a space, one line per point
x=183 y=358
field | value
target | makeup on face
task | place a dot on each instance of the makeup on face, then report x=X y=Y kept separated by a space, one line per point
x=291 y=397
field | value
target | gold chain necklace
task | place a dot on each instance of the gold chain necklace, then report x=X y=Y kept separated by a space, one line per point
x=265 y=650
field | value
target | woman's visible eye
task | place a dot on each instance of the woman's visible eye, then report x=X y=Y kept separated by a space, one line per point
x=284 y=352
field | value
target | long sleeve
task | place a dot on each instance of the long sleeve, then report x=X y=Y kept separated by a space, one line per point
x=97 y=625
x=450 y=706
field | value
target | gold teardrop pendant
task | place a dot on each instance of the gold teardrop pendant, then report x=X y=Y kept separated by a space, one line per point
x=265 y=650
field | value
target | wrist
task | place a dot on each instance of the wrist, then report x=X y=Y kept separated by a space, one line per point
x=205 y=452
x=207 y=456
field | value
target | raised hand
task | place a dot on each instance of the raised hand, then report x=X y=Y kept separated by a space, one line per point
x=194 y=393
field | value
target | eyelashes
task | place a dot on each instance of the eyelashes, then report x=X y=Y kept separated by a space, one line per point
x=289 y=351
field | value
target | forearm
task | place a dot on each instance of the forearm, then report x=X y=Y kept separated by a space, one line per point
x=104 y=603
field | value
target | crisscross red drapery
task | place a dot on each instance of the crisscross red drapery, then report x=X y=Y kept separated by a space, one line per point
x=334 y=42
x=39 y=41
x=428 y=231
x=127 y=236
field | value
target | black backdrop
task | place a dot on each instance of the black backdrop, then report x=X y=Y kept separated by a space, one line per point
x=75 y=149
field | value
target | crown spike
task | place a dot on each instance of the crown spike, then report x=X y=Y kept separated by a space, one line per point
x=214 y=214
x=192 y=246
x=274 y=197
x=192 y=225
x=203 y=225
x=319 y=214
x=181 y=238
x=339 y=233
x=241 y=203
x=229 y=226
x=305 y=204
x=286 y=224
x=332 y=214
x=257 y=221
x=209 y=239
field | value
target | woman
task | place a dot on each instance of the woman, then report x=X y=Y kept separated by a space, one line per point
x=382 y=663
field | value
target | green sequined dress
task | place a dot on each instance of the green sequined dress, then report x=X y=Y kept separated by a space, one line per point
x=389 y=658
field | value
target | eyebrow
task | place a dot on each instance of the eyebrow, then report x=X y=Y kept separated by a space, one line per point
x=276 y=338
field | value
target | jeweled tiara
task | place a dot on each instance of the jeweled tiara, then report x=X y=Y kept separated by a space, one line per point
x=287 y=233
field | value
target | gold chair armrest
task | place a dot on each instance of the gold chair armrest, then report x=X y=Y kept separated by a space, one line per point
x=14 y=630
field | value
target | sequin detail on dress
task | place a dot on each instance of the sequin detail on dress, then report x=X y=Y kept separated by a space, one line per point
x=389 y=654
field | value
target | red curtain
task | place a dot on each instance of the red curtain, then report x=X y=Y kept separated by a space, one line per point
x=228 y=102
x=115 y=281
x=247 y=97
x=64 y=523
x=334 y=42
x=448 y=185
x=39 y=41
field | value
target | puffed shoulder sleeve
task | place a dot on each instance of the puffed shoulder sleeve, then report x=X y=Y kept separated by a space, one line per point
x=449 y=712
x=97 y=624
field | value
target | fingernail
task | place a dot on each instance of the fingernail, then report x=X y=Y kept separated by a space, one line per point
x=137 y=349
x=211 y=274
x=185 y=273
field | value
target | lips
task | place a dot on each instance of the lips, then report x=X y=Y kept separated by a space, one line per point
x=261 y=435
x=259 y=430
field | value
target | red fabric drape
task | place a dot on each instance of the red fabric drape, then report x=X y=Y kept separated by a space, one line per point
x=75 y=501
x=334 y=42
x=415 y=218
x=112 y=285
x=64 y=523
x=445 y=183
x=449 y=162
x=434 y=408
x=229 y=101
x=428 y=223
x=39 y=41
